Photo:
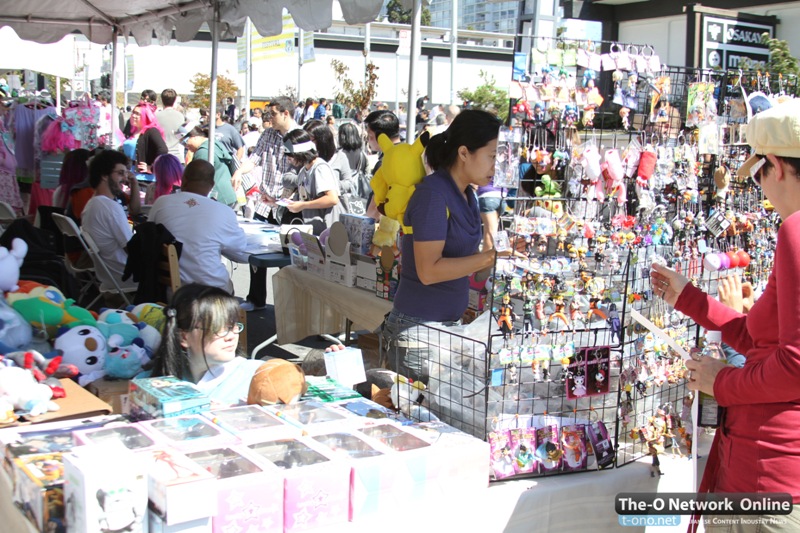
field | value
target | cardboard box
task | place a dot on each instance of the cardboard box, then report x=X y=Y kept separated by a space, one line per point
x=131 y=436
x=373 y=473
x=164 y=397
x=368 y=284
x=78 y=403
x=252 y=423
x=316 y=485
x=39 y=490
x=340 y=267
x=188 y=433
x=157 y=524
x=178 y=488
x=360 y=230
x=249 y=495
x=113 y=392
x=365 y=266
x=315 y=254
x=101 y=499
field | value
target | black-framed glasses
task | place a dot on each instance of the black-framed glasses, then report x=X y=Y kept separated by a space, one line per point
x=236 y=328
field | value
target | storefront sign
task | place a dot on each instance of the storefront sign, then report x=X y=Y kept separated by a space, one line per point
x=732 y=43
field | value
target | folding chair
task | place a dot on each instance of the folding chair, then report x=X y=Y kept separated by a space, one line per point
x=86 y=275
x=169 y=273
x=99 y=265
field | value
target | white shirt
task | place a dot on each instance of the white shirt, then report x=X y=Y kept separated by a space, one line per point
x=105 y=220
x=207 y=229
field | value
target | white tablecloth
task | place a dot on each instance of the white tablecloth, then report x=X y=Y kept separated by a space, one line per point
x=306 y=304
x=262 y=238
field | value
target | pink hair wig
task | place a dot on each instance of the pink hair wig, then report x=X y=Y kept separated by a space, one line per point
x=147 y=116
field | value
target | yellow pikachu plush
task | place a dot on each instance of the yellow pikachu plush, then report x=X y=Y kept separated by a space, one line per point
x=401 y=171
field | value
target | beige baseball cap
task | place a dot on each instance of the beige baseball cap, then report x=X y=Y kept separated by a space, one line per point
x=775 y=131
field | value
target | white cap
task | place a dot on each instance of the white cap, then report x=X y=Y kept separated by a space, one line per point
x=714 y=337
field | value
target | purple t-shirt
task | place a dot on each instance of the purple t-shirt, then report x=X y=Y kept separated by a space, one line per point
x=427 y=215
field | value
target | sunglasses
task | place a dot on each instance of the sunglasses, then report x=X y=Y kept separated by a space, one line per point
x=757 y=170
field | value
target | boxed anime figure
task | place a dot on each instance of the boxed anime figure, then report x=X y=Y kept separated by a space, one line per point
x=340 y=267
x=251 y=423
x=410 y=451
x=360 y=230
x=39 y=490
x=316 y=485
x=165 y=396
x=308 y=415
x=179 y=489
x=101 y=499
x=129 y=435
x=188 y=433
x=249 y=496
x=373 y=488
x=58 y=441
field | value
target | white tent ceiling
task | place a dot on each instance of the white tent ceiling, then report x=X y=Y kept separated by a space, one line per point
x=48 y=21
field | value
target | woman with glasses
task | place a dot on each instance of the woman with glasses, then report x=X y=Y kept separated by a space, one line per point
x=317 y=198
x=146 y=141
x=757 y=446
x=200 y=343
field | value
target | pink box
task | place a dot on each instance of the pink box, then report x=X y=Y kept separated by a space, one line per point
x=310 y=416
x=179 y=489
x=132 y=436
x=188 y=433
x=252 y=423
x=249 y=495
x=373 y=475
x=316 y=485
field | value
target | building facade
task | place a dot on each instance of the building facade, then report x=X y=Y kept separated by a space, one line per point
x=478 y=15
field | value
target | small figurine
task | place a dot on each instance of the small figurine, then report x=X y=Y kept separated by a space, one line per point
x=579 y=389
x=505 y=318
x=614 y=323
x=559 y=311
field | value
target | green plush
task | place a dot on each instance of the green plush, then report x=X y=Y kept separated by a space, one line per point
x=46 y=308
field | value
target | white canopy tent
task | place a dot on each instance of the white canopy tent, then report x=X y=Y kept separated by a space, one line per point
x=103 y=21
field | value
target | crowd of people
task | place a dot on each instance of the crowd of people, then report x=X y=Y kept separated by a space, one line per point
x=290 y=161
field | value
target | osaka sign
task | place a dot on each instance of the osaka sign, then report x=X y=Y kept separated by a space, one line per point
x=731 y=43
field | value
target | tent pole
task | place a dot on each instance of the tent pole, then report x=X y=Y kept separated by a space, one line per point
x=453 y=50
x=212 y=111
x=248 y=75
x=112 y=136
x=299 y=63
x=416 y=51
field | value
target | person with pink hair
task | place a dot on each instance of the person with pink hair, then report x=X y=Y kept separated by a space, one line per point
x=168 y=171
x=146 y=141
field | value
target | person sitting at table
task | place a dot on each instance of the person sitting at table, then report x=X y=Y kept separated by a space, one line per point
x=317 y=197
x=104 y=218
x=200 y=342
x=441 y=251
x=146 y=140
x=208 y=229
x=168 y=170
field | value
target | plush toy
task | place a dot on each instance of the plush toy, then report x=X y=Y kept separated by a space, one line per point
x=405 y=393
x=45 y=308
x=125 y=362
x=150 y=314
x=10 y=262
x=47 y=369
x=117 y=322
x=150 y=336
x=402 y=169
x=19 y=388
x=15 y=331
x=277 y=381
x=86 y=348
x=386 y=234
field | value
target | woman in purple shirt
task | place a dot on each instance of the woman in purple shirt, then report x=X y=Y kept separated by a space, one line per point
x=442 y=248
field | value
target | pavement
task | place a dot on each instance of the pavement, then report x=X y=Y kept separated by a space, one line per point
x=261 y=323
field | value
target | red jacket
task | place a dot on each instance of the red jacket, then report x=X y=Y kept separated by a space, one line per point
x=758 y=447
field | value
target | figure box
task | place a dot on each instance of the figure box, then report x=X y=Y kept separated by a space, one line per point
x=39 y=490
x=252 y=423
x=309 y=416
x=316 y=485
x=105 y=489
x=132 y=436
x=340 y=267
x=411 y=452
x=188 y=433
x=157 y=524
x=315 y=254
x=387 y=274
x=179 y=490
x=458 y=459
x=249 y=495
x=57 y=441
x=373 y=475
x=360 y=230
x=164 y=397
x=326 y=389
